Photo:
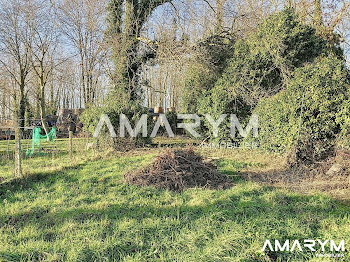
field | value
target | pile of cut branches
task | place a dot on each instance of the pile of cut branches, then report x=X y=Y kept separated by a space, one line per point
x=177 y=170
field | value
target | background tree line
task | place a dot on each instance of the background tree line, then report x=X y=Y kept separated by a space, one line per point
x=196 y=56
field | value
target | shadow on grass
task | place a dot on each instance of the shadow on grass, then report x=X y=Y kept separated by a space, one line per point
x=31 y=181
x=265 y=210
x=248 y=208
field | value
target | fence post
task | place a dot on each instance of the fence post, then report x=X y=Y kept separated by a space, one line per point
x=8 y=143
x=18 y=157
x=97 y=146
x=87 y=141
x=71 y=145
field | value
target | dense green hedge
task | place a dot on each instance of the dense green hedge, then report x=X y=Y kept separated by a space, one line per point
x=261 y=66
x=311 y=106
x=205 y=68
x=344 y=121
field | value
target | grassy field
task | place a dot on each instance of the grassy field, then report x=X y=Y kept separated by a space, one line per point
x=81 y=210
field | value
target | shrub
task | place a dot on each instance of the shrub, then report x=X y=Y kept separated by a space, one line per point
x=289 y=41
x=344 y=121
x=219 y=101
x=208 y=63
x=344 y=116
x=263 y=62
x=261 y=66
x=307 y=110
x=199 y=78
x=115 y=104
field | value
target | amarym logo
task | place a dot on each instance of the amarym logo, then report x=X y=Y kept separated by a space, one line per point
x=125 y=126
x=309 y=244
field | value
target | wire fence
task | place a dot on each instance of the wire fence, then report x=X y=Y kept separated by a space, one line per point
x=51 y=156
x=20 y=151
x=57 y=147
x=65 y=151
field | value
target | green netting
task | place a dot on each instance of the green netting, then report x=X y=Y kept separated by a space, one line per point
x=36 y=139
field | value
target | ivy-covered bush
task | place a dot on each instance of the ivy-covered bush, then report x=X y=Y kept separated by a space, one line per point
x=262 y=63
x=289 y=41
x=199 y=78
x=208 y=62
x=250 y=74
x=309 y=109
x=219 y=101
x=344 y=116
x=115 y=104
x=261 y=66
x=344 y=121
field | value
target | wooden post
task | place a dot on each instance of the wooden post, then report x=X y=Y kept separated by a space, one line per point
x=97 y=144
x=87 y=141
x=71 y=145
x=18 y=157
x=8 y=144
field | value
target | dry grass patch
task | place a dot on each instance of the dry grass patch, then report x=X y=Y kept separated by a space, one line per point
x=331 y=176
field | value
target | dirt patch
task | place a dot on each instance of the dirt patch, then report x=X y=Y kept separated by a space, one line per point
x=177 y=170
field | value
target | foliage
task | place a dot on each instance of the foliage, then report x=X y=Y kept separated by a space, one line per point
x=173 y=121
x=219 y=101
x=308 y=107
x=249 y=75
x=115 y=104
x=210 y=60
x=289 y=41
x=277 y=128
x=217 y=49
x=198 y=79
x=261 y=66
x=125 y=20
x=344 y=116
x=344 y=121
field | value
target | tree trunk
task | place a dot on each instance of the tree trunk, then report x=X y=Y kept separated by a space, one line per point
x=219 y=16
x=20 y=115
x=318 y=22
x=126 y=29
x=43 y=111
x=21 y=110
x=3 y=110
x=18 y=157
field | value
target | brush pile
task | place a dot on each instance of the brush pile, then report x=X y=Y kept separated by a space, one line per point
x=177 y=170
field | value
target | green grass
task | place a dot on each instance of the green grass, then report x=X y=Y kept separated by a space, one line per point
x=82 y=211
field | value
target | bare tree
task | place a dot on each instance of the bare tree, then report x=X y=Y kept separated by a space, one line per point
x=82 y=22
x=15 y=53
x=15 y=58
x=42 y=48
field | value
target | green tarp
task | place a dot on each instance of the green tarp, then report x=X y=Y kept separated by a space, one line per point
x=36 y=139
